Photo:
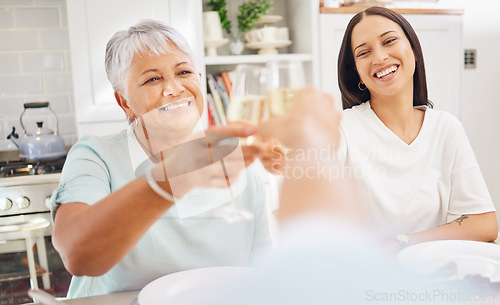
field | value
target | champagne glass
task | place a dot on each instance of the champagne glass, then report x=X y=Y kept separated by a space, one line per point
x=248 y=97
x=286 y=79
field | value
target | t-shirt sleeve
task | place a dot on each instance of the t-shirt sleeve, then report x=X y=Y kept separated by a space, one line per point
x=469 y=193
x=85 y=177
x=341 y=150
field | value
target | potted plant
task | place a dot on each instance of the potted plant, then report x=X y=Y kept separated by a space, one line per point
x=251 y=11
x=220 y=7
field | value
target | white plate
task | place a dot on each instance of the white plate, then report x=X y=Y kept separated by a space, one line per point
x=267 y=19
x=470 y=257
x=192 y=287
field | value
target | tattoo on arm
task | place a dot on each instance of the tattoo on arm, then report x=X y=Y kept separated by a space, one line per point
x=461 y=219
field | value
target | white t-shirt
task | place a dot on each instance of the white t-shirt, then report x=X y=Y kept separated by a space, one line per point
x=415 y=187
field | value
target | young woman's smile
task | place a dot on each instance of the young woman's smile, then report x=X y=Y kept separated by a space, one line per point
x=386 y=73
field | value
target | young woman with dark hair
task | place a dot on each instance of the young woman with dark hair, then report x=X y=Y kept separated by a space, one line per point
x=415 y=165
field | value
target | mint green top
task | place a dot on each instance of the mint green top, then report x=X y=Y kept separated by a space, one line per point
x=98 y=166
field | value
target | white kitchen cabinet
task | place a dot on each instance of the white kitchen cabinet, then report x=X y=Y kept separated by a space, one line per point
x=92 y=23
x=440 y=36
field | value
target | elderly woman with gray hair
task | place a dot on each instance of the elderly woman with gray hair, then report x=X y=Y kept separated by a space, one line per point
x=117 y=231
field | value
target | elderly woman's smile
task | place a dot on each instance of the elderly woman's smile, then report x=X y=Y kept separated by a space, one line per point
x=177 y=106
x=164 y=91
x=168 y=82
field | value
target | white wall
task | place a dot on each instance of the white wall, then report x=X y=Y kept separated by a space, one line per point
x=35 y=64
x=481 y=98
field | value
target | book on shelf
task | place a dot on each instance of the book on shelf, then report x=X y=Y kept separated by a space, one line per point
x=213 y=116
x=211 y=121
x=216 y=98
x=227 y=82
x=222 y=91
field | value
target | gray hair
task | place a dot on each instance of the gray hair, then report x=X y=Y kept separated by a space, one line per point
x=147 y=36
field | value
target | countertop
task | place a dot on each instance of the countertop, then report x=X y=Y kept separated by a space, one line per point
x=357 y=9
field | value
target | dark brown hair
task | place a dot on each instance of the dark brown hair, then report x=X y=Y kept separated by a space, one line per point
x=349 y=77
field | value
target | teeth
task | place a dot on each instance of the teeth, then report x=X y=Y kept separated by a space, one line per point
x=386 y=71
x=172 y=107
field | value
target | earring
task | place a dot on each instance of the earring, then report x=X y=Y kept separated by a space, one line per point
x=134 y=121
x=361 y=88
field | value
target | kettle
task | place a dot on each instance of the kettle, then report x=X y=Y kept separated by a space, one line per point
x=44 y=143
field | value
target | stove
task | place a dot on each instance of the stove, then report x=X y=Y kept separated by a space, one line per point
x=18 y=168
x=25 y=193
x=26 y=187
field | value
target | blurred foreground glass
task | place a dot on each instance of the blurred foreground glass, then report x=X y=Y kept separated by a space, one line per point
x=191 y=160
x=248 y=97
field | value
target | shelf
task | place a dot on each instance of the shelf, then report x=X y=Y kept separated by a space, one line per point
x=253 y=59
x=357 y=9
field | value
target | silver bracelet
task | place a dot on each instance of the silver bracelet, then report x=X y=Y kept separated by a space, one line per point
x=154 y=185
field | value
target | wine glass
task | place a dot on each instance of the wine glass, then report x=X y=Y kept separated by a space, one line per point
x=259 y=93
x=286 y=79
x=248 y=97
x=247 y=104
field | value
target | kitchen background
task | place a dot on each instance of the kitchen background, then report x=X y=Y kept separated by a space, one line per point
x=35 y=64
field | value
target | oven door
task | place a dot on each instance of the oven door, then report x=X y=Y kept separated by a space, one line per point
x=26 y=240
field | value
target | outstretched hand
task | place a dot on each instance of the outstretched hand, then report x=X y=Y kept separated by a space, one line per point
x=270 y=154
x=311 y=122
x=211 y=159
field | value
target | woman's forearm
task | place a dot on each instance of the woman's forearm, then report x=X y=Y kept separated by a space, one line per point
x=93 y=238
x=478 y=227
